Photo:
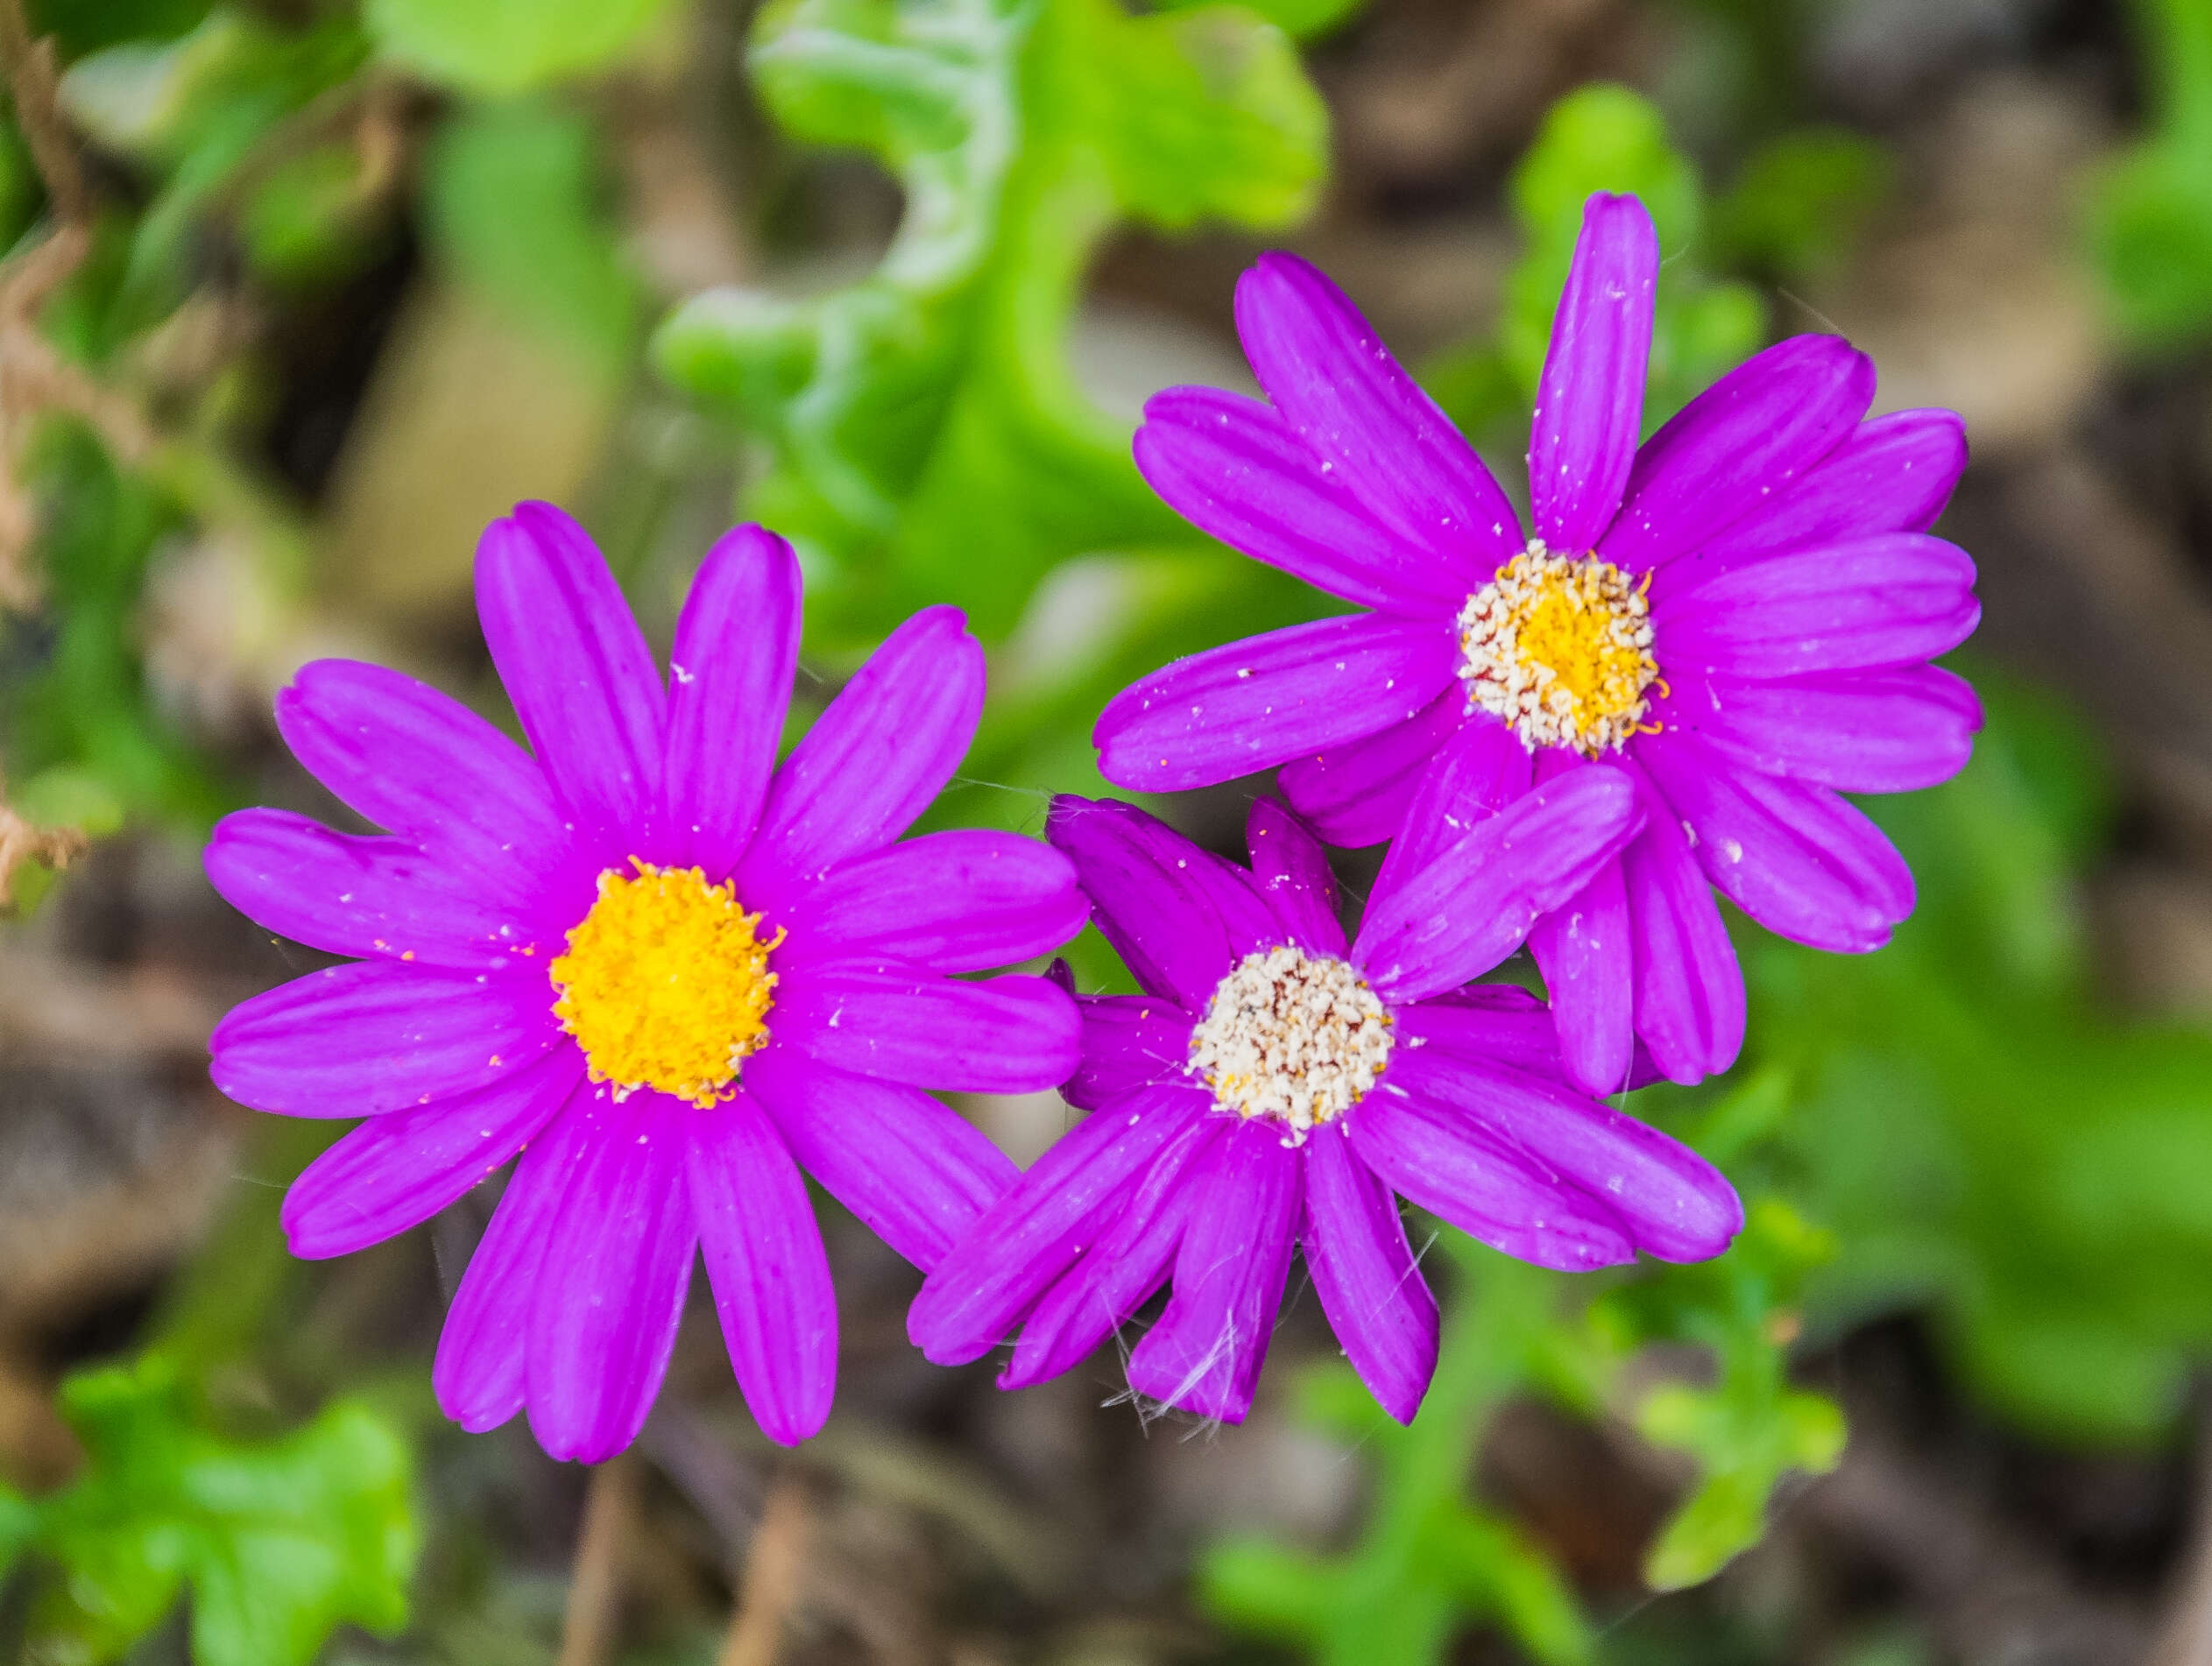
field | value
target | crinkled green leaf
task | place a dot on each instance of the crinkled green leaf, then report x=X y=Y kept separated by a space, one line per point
x=499 y=47
x=278 y=1541
x=929 y=438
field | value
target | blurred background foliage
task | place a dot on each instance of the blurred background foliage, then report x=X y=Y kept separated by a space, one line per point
x=301 y=292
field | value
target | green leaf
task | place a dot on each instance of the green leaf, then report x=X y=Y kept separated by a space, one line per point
x=2149 y=214
x=499 y=47
x=278 y=1541
x=1800 y=201
x=898 y=408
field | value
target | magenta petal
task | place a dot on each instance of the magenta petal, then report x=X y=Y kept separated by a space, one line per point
x=1433 y=1152
x=1585 y=949
x=1796 y=857
x=1118 y=1273
x=397 y=1170
x=1689 y=989
x=1293 y=875
x=574 y=662
x=1129 y=1041
x=914 y=1172
x=871 y=763
x=355 y=1040
x=1033 y=1234
x=1160 y=900
x=1331 y=377
x=1674 y=1204
x=901 y=1023
x=1205 y=1352
x=1357 y=792
x=1366 y=1276
x=765 y=1260
x=1741 y=441
x=1893 y=475
x=1253 y=704
x=954 y=901
x=1232 y=467
x=736 y=645
x=1498 y=1024
x=351 y=895
x=431 y=770
x=1589 y=410
x=1883 y=600
x=481 y=1366
x=1863 y=731
x=1429 y=931
x=1480 y=768
x=611 y=1287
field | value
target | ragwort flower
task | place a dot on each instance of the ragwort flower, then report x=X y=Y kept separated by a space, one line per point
x=1275 y=1086
x=669 y=972
x=1738 y=613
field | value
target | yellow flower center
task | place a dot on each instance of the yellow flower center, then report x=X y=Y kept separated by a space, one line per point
x=664 y=984
x=1559 y=646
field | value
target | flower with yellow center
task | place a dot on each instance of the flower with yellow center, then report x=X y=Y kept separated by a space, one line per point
x=1559 y=646
x=666 y=984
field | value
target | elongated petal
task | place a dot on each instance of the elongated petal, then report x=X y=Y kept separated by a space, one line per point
x=1232 y=467
x=1882 y=602
x=1673 y=1203
x=871 y=763
x=915 y=1173
x=1163 y=909
x=1357 y=792
x=397 y=1170
x=1797 y=858
x=482 y=1364
x=901 y=1023
x=1029 y=1237
x=736 y=645
x=1205 y=1352
x=575 y=664
x=1481 y=768
x=1584 y=949
x=1589 y=409
x=351 y=895
x=355 y=1040
x=1500 y=1024
x=1859 y=731
x=1689 y=989
x=954 y=901
x=1293 y=874
x=1129 y=1041
x=1330 y=375
x=1117 y=1274
x=1892 y=475
x=1437 y=1155
x=1744 y=439
x=766 y=1262
x=431 y=770
x=1256 y=703
x=1366 y=1274
x=611 y=1286
x=1472 y=907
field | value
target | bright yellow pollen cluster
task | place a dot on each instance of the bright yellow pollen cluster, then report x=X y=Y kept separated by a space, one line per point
x=1559 y=646
x=664 y=984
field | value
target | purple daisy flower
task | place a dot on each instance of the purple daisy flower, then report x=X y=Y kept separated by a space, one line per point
x=669 y=972
x=1739 y=614
x=1274 y=1086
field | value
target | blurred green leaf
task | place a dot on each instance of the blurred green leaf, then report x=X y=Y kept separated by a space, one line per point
x=280 y=1541
x=499 y=47
x=2148 y=217
x=928 y=440
x=301 y=222
x=1800 y=201
x=81 y=26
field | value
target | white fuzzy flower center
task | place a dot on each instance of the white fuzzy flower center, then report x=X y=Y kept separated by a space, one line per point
x=1294 y=1036
x=1559 y=646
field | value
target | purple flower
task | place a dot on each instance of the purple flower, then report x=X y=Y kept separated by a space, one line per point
x=1275 y=1087
x=669 y=972
x=1738 y=614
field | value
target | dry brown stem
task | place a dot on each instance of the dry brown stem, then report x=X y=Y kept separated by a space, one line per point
x=773 y=1570
x=20 y=843
x=595 y=1586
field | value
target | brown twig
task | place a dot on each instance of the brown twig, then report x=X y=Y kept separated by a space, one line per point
x=21 y=843
x=770 y=1589
x=595 y=1586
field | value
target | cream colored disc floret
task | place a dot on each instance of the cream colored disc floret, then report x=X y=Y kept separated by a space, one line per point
x=1295 y=1037
x=1559 y=646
